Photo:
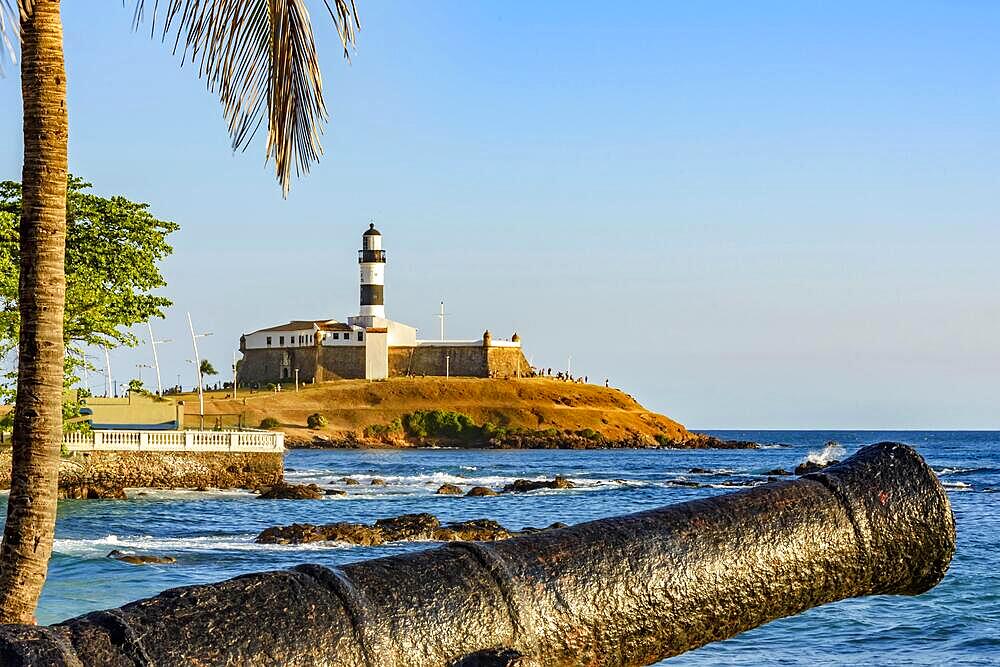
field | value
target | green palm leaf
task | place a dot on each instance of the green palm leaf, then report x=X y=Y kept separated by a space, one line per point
x=258 y=56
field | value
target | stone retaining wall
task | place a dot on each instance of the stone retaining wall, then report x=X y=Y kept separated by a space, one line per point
x=103 y=474
x=332 y=362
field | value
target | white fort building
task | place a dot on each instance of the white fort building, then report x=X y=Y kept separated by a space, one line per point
x=369 y=345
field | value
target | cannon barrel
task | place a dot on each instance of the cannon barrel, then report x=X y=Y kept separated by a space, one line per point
x=629 y=590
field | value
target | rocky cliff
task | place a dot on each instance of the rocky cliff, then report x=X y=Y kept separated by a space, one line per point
x=537 y=412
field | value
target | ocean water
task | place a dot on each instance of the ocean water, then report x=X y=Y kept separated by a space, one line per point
x=211 y=534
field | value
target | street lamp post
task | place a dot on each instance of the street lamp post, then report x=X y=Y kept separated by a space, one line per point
x=156 y=359
x=197 y=366
x=108 y=380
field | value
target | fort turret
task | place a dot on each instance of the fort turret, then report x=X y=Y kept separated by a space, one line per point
x=371 y=257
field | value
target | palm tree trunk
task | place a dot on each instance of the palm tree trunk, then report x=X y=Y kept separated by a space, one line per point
x=31 y=509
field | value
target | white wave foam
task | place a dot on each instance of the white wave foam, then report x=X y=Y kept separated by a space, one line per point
x=954 y=471
x=135 y=493
x=396 y=484
x=957 y=486
x=171 y=545
x=832 y=451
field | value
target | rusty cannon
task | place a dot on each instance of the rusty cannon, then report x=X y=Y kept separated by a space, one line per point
x=628 y=590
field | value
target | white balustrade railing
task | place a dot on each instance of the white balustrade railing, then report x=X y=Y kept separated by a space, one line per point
x=175 y=441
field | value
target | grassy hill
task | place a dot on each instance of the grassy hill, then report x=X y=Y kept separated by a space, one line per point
x=525 y=412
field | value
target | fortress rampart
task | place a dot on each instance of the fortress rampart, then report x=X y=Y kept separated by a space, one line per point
x=322 y=363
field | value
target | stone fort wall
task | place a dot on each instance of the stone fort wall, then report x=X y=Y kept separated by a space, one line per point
x=262 y=366
x=325 y=363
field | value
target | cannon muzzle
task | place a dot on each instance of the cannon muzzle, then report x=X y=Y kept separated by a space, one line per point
x=628 y=590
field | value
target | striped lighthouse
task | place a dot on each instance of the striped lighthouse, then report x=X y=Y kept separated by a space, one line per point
x=371 y=257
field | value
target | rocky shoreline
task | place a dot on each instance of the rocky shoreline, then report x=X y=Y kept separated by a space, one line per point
x=538 y=440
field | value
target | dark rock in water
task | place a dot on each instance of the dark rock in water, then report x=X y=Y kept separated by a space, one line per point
x=685 y=482
x=812 y=466
x=377 y=481
x=525 y=485
x=778 y=471
x=297 y=533
x=285 y=491
x=739 y=444
x=408 y=526
x=477 y=530
x=405 y=527
x=702 y=441
x=349 y=481
x=136 y=559
x=395 y=529
x=334 y=492
x=449 y=490
x=480 y=491
x=92 y=492
x=699 y=471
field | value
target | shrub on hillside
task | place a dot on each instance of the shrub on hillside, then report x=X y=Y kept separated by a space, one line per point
x=384 y=431
x=269 y=423
x=316 y=421
x=439 y=424
x=491 y=430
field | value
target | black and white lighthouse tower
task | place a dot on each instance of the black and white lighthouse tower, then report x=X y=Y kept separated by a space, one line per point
x=371 y=257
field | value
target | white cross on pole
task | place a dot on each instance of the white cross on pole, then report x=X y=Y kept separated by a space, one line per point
x=440 y=317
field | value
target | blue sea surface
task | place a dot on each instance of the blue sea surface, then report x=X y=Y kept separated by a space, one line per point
x=211 y=534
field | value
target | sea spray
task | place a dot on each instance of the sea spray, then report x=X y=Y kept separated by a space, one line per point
x=832 y=451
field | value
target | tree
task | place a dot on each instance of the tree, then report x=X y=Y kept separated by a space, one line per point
x=113 y=247
x=260 y=57
x=207 y=368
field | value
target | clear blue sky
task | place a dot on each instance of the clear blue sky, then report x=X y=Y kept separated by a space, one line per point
x=770 y=214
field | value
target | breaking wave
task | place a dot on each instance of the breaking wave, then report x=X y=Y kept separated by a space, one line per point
x=428 y=482
x=99 y=548
x=832 y=451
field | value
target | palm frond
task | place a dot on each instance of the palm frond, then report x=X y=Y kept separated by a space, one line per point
x=259 y=56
